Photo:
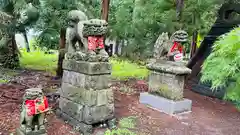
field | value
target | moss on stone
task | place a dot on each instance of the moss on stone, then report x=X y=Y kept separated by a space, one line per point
x=164 y=91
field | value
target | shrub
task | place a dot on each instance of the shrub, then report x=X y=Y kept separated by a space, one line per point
x=223 y=64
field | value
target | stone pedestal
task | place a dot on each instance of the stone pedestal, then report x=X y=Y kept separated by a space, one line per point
x=86 y=98
x=20 y=131
x=166 y=85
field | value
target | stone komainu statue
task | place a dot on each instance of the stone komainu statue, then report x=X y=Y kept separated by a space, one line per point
x=163 y=45
x=89 y=36
x=180 y=36
x=33 y=110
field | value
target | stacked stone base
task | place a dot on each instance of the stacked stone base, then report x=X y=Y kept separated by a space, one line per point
x=166 y=86
x=86 y=98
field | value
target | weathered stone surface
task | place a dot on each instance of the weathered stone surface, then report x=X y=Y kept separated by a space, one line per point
x=110 y=96
x=96 y=82
x=161 y=46
x=87 y=97
x=79 y=95
x=21 y=132
x=102 y=98
x=77 y=125
x=165 y=105
x=170 y=67
x=97 y=114
x=167 y=85
x=90 y=68
x=72 y=109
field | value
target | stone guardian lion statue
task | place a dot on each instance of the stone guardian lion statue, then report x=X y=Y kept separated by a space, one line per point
x=89 y=36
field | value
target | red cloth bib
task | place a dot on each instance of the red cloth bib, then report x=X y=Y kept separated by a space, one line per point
x=177 y=46
x=36 y=106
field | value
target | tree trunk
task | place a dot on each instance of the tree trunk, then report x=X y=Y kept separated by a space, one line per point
x=62 y=45
x=26 y=40
x=11 y=58
x=194 y=43
x=179 y=7
x=105 y=9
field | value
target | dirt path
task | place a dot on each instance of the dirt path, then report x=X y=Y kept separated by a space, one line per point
x=209 y=116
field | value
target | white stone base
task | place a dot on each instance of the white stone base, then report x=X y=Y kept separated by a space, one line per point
x=165 y=105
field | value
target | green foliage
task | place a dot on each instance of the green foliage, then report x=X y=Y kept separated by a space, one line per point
x=223 y=65
x=53 y=14
x=119 y=132
x=140 y=22
x=125 y=124
x=19 y=11
x=129 y=122
x=3 y=81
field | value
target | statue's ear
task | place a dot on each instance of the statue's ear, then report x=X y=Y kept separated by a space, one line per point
x=33 y=2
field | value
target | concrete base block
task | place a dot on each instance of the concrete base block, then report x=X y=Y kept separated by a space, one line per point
x=165 y=105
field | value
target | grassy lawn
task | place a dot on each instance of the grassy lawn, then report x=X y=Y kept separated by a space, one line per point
x=122 y=69
x=37 y=60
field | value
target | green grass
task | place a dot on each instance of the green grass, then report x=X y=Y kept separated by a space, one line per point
x=3 y=81
x=122 y=69
x=37 y=60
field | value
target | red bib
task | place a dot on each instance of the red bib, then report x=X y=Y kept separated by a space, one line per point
x=36 y=106
x=177 y=46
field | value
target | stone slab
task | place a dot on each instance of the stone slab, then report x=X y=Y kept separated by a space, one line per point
x=72 y=109
x=77 y=125
x=96 y=114
x=167 y=85
x=20 y=132
x=165 y=105
x=87 y=97
x=96 y=82
x=90 y=68
x=170 y=67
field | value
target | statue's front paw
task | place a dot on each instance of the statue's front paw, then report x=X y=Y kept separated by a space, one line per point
x=103 y=56
x=80 y=56
x=92 y=57
x=69 y=56
x=28 y=129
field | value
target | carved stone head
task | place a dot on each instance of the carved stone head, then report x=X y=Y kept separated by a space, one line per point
x=179 y=36
x=33 y=93
x=74 y=16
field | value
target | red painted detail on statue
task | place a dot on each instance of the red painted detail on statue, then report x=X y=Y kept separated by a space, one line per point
x=101 y=42
x=176 y=46
x=94 y=42
x=36 y=106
